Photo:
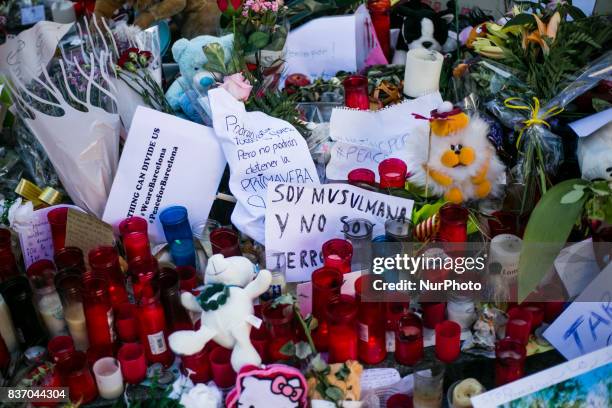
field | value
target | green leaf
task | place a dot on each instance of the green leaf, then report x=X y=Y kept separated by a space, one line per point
x=288 y=349
x=334 y=393
x=215 y=54
x=521 y=19
x=343 y=373
x=575 y=12
x=318 y=364
x=572 y=197
x=302 y=350
x=259 y=39
x=547 y=230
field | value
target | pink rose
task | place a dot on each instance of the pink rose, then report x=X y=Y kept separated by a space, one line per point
x=238 y=86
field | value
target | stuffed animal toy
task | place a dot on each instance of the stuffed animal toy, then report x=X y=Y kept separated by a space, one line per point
x=194 y=17
x=190 y=57
x=346 y=376
x=276 y=385
x=226 y=307
x=420 y=27
x=595 y=154
x=456 y=160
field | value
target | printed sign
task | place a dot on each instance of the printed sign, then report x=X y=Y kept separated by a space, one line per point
x=365 y=138
x=260 y=149
x=299 y=219
x=586 y=324
x=166 y=161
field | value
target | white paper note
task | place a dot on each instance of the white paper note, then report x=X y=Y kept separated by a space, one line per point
x=365 y=138
x=299 y=219
x=586 y=126
x=166 y=161
x=260 y=149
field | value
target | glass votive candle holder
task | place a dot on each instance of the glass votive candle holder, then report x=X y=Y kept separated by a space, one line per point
x=338 y=254
x=326 y=285
x=537 y=314
x=76 y=376
x=136 y=245
x=433 y=313
x=187 y=278
x=133 y=224
x=60 y=347
x=356 y=92
x=260 y=340
x=126 y=325
x=279 y=321
x=428 y=384
x=69 y=258
x=392 y=173
x=409 y=340
x=57 y=221
x=362 y=176
x=453 y=223
x=400 y=401
x=342 y=320
x=371 y=322
x=132 y=361
x=510 y=357
x=197 y=366
x=175 y=222
x=448 y=341
x=225 y=241
x=223 y=374
x=108 y=378
x=518 y=326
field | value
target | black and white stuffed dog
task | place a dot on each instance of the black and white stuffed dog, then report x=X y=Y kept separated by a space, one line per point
x=420 y=27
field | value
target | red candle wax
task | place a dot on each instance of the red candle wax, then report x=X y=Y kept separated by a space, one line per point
x=448 y=341
x=518 y=326
x=337 y=254
x=57 y=221
x=371 y=324
x=392 y=173
x=510 y=357
x=197 y=366
x=98 y=312
x=152 y=330
x=342 y=319
x=356 y=92
x=133 y=364
x=409 y=340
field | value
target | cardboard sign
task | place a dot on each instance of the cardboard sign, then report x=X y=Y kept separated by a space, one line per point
x=87 y=232
x=299 y=219
x=326 y=45
x=583 y=382
x=260 y=149
x=586 y=324
x=166 y=161
x=365 y=138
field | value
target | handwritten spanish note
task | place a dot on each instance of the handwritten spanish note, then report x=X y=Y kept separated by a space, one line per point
x=260 y=149
x=299 y=219
x=586 y=324
x=365 y=138
x=87 y=232
x=166 y=161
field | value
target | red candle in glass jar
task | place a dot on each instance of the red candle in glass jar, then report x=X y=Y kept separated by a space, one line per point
x=136 y=245
x=342 y=319
x=260 y=340
x=152 y=330
x=57 y=221
x=197 y=366
x=187 y=278
x=537 y=314
x=133 y=224
x=98 y=313
x=448 y=341
x=69 y=258
x=125 y=322
x=510 y=357
x=372 y=347
x=104 y=260
x=144 y=275
x=409 y=340
x=279 y=322
x=223 y=373
x=133 y=364
x=356 y=92
x=453 y=223
x=76 y=376
x=326 y=284
x=392 y=173
x=337 y=254
x=380 y=13
x=60 y=347
x=433 y=313
x=225 y=241
x=518 y=326
x=362 y=175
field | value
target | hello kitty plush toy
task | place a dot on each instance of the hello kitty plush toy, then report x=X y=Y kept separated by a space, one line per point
x=226 y=307
x=276 y=386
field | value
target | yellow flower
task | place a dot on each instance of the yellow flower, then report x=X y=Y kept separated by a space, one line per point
x=488 y=48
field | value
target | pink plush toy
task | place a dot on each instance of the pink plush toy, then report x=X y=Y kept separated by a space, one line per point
x=276 y=385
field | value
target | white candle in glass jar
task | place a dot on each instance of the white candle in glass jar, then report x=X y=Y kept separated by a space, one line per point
x=506 y=251
x=108 y=377
x=7 y=330
x=63 y=12
x=52 y=313
x=77 y=326
x=422 y=72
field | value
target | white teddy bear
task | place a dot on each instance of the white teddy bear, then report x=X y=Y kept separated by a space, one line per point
x=225 y=304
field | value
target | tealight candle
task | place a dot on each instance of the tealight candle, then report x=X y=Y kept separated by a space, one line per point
x=422 y=72
x=108 y=378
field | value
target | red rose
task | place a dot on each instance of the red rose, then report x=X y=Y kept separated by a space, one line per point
x=229 y=7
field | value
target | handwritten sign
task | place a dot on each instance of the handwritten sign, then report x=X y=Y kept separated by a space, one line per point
x=35 y=237
x=586 y=324
x=23 y=56
x=86 y=232
x=166 y=161
x=260 y=149
x=326 y=45
x=365 y=138
x=299 y=219
x=583 y=382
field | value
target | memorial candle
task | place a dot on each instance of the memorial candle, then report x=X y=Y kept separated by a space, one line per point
x=326 y=285
x=370 y=322
x=380 y=13
x=69 y=258
x=187 y=278
x=342 y=319
x=422 y=72
x=362 y=176
x=69 y=286
x=510 y=357
x=453 y=223
x=358 y=231
x=133 y=364
x=392 y=173
x=518 y=326
x=108 y=378
x=279 y=321
x=178 y=234
x=225 y=241
x=58 y=218
x=7 y=330
x=177 y=317
x=152 y=329
x=41 y=274
x=197 y=366
x=409 y=340
x=98 y=313
x=356 y=92
x=77 y=377
x=136 y=245
x=133 y=224
x=448 y=341
x=104 y=260
x=338 y=254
